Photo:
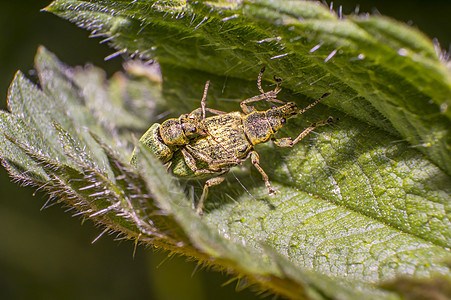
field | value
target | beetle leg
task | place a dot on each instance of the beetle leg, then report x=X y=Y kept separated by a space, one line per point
x=283 y=142
x=287 y=142
x=204 y=106
x=215 y=111
x=209 y=183
x=268 y=96
x=191 y=162
x=329 y=120
x=198 y=112
x=259 y=82
x=255 y=159
x=204 y=99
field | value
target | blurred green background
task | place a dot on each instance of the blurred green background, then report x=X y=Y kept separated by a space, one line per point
x=48 y=254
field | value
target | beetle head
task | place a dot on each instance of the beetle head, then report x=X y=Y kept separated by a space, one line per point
x=192 y=126
x=277 y=116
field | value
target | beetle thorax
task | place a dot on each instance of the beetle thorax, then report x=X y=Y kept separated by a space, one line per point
x=257 y=127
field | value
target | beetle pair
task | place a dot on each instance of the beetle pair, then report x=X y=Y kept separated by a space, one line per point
x=195 y=146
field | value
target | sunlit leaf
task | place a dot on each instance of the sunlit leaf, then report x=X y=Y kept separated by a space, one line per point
x=361 y=203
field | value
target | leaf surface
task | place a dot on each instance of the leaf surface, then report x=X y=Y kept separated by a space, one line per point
x=359 y=203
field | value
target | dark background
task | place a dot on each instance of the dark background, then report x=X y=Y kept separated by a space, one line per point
x=48 y=254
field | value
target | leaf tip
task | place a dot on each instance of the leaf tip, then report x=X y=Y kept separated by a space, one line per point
x=49 y=8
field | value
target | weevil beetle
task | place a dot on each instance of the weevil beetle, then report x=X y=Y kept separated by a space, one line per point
x=173 y=134
x=231 y=137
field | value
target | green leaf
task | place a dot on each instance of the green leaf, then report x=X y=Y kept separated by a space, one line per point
x=360 y=204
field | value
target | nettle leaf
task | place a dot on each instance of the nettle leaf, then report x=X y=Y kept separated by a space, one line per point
x=361 y=205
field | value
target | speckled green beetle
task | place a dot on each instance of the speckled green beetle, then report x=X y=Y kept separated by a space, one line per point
x=231 y=137
x=174 y=134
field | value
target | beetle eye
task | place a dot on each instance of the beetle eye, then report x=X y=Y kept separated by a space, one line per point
x=188 y=128
x=283 y=120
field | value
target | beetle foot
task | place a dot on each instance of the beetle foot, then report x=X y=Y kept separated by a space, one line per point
x=271 y=191
x=199 y=211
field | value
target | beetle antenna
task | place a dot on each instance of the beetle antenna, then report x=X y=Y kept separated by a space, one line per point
x=259 y=80
x=301 y=111
x=204 y=97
